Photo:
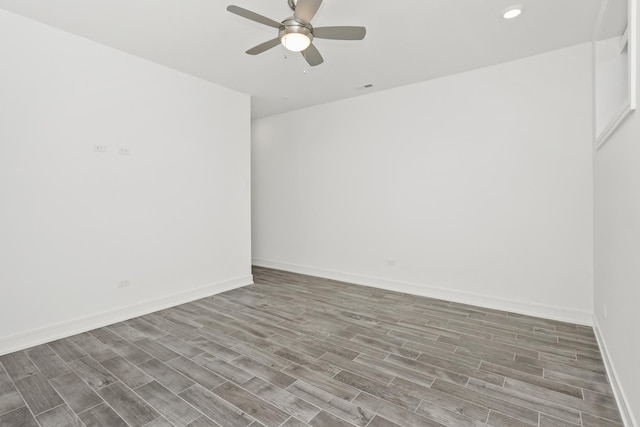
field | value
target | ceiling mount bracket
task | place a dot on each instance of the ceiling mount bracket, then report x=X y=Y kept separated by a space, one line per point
x=292 y=4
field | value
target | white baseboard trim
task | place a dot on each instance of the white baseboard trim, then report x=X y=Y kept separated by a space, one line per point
x=514 y=306
x=626 y=413
x=76 y=326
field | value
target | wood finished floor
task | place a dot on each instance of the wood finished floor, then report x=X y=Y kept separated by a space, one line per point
x=295 y=350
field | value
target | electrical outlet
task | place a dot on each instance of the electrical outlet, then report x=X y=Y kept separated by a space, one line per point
x=124 y=283
x=98 y=148
x=124 y=151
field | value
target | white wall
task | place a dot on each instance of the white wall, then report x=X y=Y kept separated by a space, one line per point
x=173 y=217
x=478 y=186
x=617 y=259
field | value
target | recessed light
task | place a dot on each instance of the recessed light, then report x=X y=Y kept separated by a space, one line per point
x=512 y=11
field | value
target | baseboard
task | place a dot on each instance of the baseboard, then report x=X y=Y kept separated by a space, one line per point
x=71 y=327
x=521 y=307
x=623 y=403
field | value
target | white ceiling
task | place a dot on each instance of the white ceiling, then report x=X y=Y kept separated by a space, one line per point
x=406 y=42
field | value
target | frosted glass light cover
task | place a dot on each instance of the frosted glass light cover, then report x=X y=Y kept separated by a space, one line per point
x=295 y=42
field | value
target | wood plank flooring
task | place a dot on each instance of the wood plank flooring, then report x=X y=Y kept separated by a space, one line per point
x=295 y=350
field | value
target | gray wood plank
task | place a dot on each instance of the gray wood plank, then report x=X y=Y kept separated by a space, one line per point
x=489 y=396
x=392 y=412
x=174 y=409
x=562 y=399
x=218 y=336
x=261 y=356
x=177 y=331
x=18 y=417
x=378 y=421
x=93 y=346
x=524 y=400
x=66 y=349
x=18 y=365
x=62 y=416
x=150 y=331
x=180 y=346
x=120 y=346
x=156 y=349
x=256 y=341
x=101 y=416
x=326 y=419
x=76 y=392
x=321 y=366
x=576 y=381
x=222 y=368
x=266 y=373
x=446 y=417
x=166 y=375
x=323 y=345
x=565 y=367
x=92 y=372
x=9 y=397
x=357 y=368
x=500 y=420
x=431 y=398
x=397 y=370
x=357 y=347
x=197 y=373
x=293 y=422
x=392 y=394
x=215 y=407
x=281 y=399
x=297 y=346
x=447 y=366
x=159 y=422
x=432 y=371
x=600 y=399
x=533 y=379
x=549 y=421
x=47 y=361
x=330 y=403
x=126 y=372
x=337 y=388
x=38 y=393
x=385 y=346
x=127 y=332
x=128 y=404
x=204 y=422
x=214 y=349
x=258 y=408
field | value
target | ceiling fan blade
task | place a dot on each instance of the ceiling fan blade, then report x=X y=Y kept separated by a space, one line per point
x=306 y=9
x=312 y=55
x=263 y=47
x=253 y=16
x=340 y=33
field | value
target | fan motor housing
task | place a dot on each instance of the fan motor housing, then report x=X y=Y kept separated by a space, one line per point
x=292 y=25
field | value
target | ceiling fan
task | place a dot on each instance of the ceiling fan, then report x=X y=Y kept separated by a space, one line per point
x=296 y=32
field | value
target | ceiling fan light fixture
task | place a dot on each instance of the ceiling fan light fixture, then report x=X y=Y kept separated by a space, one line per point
x=512 y=11
x=295 y=42
x=296 y=33
x=295 y=36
